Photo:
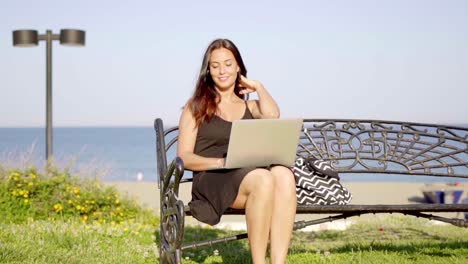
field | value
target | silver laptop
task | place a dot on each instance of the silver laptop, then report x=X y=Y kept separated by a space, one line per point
x=263 y=142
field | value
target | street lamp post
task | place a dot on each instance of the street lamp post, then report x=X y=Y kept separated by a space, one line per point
x=28 y=38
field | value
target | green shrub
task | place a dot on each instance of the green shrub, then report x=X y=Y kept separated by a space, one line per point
x=29 y=194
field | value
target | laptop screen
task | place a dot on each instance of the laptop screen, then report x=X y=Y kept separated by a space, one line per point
x=263 y=142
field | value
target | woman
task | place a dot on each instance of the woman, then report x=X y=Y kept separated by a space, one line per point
x=267 y=195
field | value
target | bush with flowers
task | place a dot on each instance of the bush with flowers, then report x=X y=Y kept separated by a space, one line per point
x=54 y=194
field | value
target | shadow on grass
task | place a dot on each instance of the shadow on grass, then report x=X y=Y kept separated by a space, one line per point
x=407 y=240
x=371 y=234
x=9 y=255
x=231 y=252
x=429 y=248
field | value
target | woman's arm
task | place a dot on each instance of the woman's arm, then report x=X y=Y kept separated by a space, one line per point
x=265 y=106
x=187 y=137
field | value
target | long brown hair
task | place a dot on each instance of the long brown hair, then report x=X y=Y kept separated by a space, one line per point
x=205 y=99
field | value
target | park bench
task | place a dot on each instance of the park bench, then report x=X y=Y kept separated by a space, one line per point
x=353 y=147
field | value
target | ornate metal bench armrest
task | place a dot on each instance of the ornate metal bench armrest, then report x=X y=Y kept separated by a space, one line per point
x=175 y=171
x=172 y=214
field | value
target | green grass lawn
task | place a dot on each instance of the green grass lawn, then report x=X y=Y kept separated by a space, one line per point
x=381 y=239
x=74 y=242
x=53 y=217
x=375 y=239
x=50 y=216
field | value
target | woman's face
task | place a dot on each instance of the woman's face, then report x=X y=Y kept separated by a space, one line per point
x=223 y=68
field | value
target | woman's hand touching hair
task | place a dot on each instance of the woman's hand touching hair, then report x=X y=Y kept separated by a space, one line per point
x=265 y=106
x=249 y=86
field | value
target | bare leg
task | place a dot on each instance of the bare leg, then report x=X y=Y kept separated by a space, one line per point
x=256 y=196
x=284 y=211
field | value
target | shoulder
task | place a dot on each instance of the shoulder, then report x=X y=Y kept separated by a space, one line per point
x=186 y=117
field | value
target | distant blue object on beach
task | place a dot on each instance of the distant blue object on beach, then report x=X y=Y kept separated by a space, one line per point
x=443 y=196
x=456 y=196
x=465 y=201
x=435 y=197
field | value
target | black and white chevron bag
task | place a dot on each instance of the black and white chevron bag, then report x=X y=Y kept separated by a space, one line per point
x=317 y=183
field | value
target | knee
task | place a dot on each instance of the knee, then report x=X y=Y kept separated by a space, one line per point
x=284 y=180
x=263 y=181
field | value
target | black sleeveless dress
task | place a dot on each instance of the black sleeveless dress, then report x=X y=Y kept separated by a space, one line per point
x=214 y=191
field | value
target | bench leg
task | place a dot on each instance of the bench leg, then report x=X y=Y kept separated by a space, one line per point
x=171 y=229
x=453 y=221
x=172 y=215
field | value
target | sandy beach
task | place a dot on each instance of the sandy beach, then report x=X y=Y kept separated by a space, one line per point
x=147 y=194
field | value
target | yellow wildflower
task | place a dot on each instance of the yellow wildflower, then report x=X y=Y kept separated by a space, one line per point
x=58 y=208
x=16 y=178
x=26 y=201
x=30 y=184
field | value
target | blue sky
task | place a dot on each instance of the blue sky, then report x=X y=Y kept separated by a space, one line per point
x=394 y=60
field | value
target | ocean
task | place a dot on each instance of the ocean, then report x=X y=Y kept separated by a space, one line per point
x=121 y=153
x=118 y=153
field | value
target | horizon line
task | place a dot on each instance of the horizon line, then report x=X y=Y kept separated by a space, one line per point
x=461 y=124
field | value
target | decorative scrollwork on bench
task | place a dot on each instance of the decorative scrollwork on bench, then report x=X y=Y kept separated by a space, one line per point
x=360 y=146
x=352 y=146
x=172 y=215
